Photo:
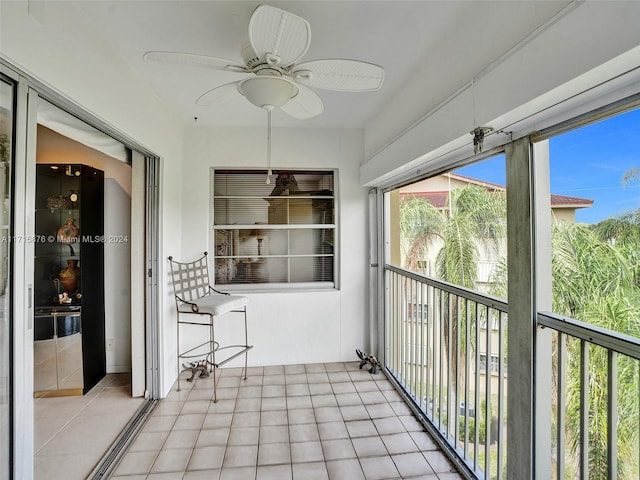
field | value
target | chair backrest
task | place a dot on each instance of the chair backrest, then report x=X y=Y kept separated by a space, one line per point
x=190 y=280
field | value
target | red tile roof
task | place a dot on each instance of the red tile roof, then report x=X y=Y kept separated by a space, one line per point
x=439 y=199
x=565 y=201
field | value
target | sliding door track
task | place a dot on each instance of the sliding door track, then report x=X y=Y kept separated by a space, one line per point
x=112 y=458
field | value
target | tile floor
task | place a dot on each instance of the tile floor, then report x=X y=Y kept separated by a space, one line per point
x=72 y=434
x=319 y=421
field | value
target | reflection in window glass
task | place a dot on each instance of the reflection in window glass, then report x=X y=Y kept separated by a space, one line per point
x=281 y=232
x=6 y=135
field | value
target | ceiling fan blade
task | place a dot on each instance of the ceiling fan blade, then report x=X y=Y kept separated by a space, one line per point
x=304 y=105
x=277 y=36
x=339 y=74
x=194 y=60
x=219 y=95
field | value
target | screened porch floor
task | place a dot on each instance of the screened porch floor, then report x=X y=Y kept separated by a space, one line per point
x=317 y=421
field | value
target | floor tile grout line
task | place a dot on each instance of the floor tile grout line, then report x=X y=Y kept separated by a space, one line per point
x=155 y=459
x=316 y=423
x=76 y=414
x=91 y=397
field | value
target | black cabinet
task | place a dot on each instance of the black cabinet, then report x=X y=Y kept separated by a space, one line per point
x=69 y=263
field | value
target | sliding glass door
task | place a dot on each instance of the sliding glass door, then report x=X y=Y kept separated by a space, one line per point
x=7 y=114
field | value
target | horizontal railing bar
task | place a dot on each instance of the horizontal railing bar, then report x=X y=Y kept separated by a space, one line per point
x=277 y=226
x=609 y=339
x=299 y=255
x=487 y=300
x=279 y=197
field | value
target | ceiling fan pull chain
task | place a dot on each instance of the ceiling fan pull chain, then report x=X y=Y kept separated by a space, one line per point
x=268 y=146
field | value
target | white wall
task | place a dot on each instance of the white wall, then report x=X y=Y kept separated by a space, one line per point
x=56 y=47
x=289 y=327
x=117 y=276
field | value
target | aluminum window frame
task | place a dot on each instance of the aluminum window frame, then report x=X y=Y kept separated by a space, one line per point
x=279 y=286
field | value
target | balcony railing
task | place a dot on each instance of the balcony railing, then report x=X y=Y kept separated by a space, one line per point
x=446 y=347
x=596 y=400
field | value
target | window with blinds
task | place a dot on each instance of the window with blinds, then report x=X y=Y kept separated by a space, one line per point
x=279 y=233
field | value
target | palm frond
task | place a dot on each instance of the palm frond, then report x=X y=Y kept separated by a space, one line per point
x=630 y=176
x=584 y=265
x=616 y=312
x=457 y=260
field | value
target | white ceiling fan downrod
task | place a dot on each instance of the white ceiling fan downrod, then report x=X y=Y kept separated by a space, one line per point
x=269 y=173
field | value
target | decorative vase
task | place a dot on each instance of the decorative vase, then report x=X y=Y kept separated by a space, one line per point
x=70 y=276
x=68 y=233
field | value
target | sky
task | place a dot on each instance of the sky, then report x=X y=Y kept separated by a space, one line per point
x=588 y=162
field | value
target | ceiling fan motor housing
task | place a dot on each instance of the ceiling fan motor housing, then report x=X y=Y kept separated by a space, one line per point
x=249 y=57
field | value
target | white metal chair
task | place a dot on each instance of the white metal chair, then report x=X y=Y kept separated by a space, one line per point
x=195 y=296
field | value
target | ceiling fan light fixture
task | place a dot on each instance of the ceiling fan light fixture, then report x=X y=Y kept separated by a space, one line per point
x=268 y=92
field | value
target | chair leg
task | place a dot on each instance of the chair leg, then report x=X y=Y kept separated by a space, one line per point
x=212 y=346
x=178 y=347
x=246 y=342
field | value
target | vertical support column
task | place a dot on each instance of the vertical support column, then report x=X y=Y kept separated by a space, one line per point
x=393 y=228
x=528 y=428
x=376 y=274
x=521 y=322
x=388 y=252
x=543 y=225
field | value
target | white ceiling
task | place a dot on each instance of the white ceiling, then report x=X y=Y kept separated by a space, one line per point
x=401 y=36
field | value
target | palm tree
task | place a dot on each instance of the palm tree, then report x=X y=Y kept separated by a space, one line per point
x=596 y=273
x=594 y=282
x=596 y=279
x=584 y=267
x=624 y=229
x=614 y=311
x=476 y=219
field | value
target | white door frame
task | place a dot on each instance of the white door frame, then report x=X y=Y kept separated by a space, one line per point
x=28 y=90
x=22 y=270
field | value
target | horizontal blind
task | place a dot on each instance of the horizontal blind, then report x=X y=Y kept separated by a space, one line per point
x=277 y=233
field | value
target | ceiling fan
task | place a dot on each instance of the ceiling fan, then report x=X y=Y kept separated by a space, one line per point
x=277 y=41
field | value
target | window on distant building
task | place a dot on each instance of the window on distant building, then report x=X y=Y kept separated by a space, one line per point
x=495 y=364
x=281 y=233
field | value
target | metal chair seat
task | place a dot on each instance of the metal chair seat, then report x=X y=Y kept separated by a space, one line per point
x=214 y=304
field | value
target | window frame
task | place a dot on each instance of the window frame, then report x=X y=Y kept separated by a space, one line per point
x=260 y=287
x=494 y=364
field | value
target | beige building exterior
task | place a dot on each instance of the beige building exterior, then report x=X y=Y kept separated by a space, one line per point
x=436 y=191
